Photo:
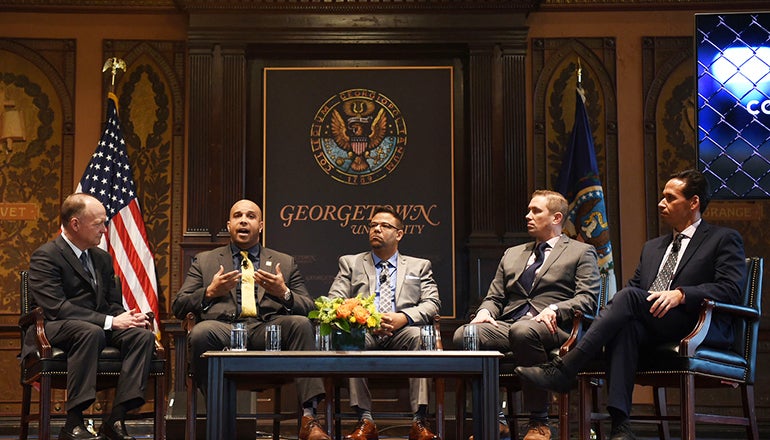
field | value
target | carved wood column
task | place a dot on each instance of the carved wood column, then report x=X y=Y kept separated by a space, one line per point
x=217 y=136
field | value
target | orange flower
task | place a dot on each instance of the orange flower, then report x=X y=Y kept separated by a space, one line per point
x=361 y=314
x=344 y=310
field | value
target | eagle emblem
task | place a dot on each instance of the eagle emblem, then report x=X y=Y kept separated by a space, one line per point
x=358 y=136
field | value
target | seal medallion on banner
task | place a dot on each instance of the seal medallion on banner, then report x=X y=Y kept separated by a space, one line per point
x=358 y=136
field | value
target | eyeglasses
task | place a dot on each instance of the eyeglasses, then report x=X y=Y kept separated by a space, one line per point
x=383 y=225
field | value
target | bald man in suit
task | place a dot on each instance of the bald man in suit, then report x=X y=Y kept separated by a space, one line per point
x=213 y=290
x=676 y=273
x=528 y=307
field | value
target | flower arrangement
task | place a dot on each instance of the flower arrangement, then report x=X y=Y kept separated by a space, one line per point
x=346 y=313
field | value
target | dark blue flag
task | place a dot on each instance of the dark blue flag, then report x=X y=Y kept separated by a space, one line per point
x=579 y=182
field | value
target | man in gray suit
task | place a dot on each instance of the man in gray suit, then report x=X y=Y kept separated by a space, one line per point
x=407 y=297
x=528 y=307
x=215 y=290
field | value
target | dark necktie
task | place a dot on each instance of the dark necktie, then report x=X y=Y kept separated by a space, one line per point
x=528 y=276
x=386 y=293
x=667 y=272
x=86 y=265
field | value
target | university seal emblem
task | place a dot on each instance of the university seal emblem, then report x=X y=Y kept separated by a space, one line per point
x=358 y=136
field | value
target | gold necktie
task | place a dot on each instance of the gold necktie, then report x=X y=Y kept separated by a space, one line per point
x=248 y=301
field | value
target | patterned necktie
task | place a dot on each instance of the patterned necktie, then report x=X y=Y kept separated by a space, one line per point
x=386 y=292
x=527 y=277
x=667 y=272
x=86 y=265
x=248 y=301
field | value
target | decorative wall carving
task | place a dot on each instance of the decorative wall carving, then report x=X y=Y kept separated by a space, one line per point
x=554 y=68
x=151 y=105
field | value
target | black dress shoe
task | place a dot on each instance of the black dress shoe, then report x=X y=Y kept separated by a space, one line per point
x=550 y=376
x=78 y=433
x=622 y=432
x=115 y=431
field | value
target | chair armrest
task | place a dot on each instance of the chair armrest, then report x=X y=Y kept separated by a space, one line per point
x=36 y=318
x=189 y=322
x=160 y=351
x=580 y=323
x=691 y=342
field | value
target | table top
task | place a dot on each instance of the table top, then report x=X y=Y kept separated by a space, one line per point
x=369 y=363
x=358 y=354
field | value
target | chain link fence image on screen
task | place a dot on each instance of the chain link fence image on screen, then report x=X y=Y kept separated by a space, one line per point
x=733 y=84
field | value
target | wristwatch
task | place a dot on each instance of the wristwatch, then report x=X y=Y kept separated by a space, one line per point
x=287 y=295
x=554 y=307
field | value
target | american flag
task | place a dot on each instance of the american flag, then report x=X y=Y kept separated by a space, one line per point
x=108 y=177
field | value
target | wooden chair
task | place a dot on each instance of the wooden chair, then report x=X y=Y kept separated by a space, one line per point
x=48 y=367
x=691 y=363
x=192 y=390
x=512 y=383
x=333 y=392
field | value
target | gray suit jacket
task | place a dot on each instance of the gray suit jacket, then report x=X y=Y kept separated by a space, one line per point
x=416 y=290
x=569 y=278
x=206 y=264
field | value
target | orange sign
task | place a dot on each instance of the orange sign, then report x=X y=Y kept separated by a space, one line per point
x=18 y=211
x=733 y=210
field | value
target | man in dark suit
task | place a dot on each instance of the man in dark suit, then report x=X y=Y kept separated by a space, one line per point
x=73 y=281
x=528 y=307
x=216 y=291
x=675 y=274
x=407 y=297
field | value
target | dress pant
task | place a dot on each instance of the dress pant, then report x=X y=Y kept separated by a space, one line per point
x=83 y=341
x=625 y=326
x=529 y=341
x=408 y=339
x=296 y=335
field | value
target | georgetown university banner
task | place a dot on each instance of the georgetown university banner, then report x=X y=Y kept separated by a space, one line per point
x=341 y=141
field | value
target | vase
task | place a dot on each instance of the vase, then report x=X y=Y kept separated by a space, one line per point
x=353 y=341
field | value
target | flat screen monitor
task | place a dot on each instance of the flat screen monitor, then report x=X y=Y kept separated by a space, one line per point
x=733 y=85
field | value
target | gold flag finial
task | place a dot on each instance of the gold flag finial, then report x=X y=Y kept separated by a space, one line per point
x=579 y=73
x=114 y=64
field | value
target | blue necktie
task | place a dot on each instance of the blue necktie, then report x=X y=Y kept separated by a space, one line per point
x=528 y=276
x=86 y=265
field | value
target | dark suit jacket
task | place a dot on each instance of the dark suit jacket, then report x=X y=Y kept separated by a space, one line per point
x=568 y=278
x=416 y=290
x=713 y=267
x=61 y=287
x=206 y=264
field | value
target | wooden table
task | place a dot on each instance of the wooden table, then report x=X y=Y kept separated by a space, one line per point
x=226 y=368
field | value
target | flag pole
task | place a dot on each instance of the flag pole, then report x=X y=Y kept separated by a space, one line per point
x=579 y=74
x=114 y=64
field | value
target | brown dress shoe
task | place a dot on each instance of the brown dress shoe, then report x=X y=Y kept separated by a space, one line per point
x=420 y=431
x=311 y=430
x=538 y=431
x=365 y=430
x=505 y=432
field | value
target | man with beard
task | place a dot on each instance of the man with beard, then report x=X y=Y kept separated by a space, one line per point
x=220 y=289
x=407 y=297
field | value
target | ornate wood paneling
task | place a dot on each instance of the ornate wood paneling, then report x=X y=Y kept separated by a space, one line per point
x=488 y=50
x=554 y=68
x=151 y=105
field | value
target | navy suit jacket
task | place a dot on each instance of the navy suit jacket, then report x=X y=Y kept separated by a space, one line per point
x=713 y=267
